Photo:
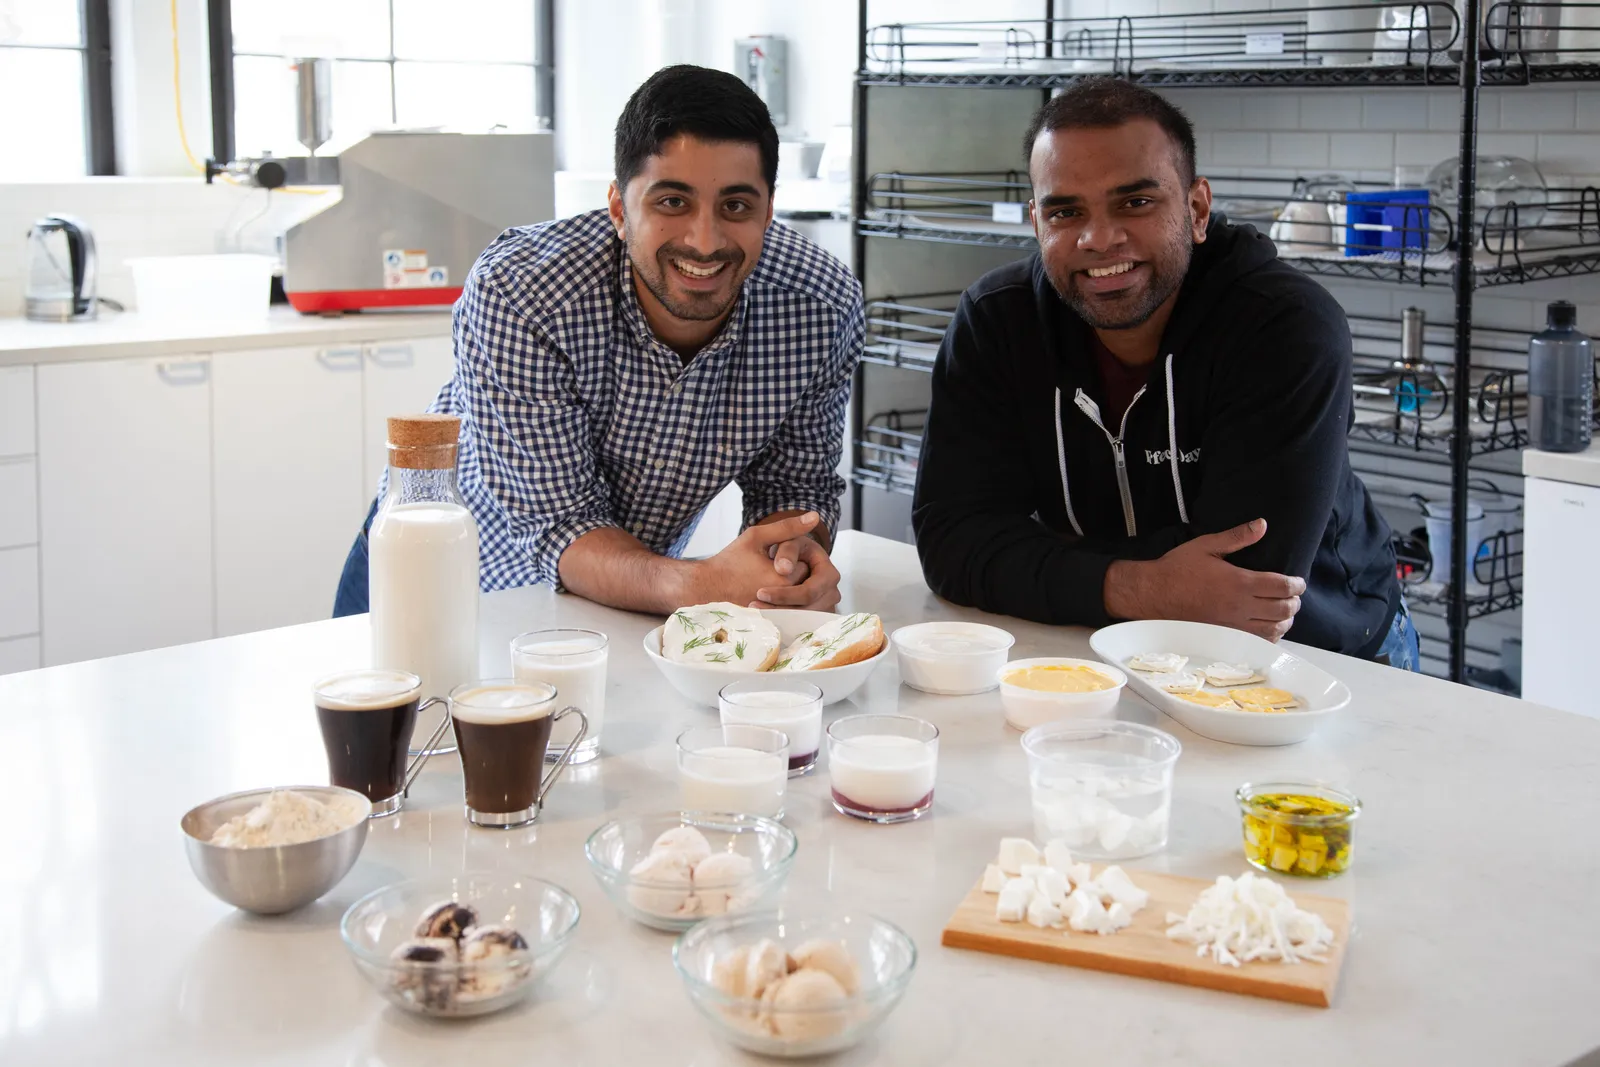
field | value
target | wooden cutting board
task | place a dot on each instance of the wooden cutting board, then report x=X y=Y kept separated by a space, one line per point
x=1145 y=951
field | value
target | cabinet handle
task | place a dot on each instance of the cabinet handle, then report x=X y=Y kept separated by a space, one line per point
x=340 y=359
x=392 y=355
x=184 y=371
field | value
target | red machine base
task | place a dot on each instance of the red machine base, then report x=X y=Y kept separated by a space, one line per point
x=356 y=299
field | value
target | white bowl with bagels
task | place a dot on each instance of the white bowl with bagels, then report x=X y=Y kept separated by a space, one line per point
x=1223 y=683
x=700 y=649
x=1049 y=688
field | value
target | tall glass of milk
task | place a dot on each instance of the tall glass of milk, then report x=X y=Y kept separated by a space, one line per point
x=422 y=567
x=574 y=661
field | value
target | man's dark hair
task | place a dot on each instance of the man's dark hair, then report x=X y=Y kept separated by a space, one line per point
x=1101 y=103
x=709 y=104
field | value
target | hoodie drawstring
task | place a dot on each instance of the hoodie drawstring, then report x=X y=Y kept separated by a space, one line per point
x=1061 y=458
x=1172 y=441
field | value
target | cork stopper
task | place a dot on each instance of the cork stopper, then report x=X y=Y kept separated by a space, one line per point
x=423 y=442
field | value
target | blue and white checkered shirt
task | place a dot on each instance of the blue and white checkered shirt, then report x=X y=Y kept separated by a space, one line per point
x=575 y=417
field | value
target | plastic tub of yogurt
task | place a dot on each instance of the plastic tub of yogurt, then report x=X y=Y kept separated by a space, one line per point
x=951 y=658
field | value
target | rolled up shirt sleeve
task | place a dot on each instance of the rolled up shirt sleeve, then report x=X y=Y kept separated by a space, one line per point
x=529 y=428
x=798 y=470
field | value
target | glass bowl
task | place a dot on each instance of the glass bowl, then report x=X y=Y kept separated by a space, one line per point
x=1104 y=788
x=1290 y=835
x=616 y=847
x=543 y=913
x=884 y=955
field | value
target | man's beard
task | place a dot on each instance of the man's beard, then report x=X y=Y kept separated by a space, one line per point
x=1167 y=270
x=695 y=307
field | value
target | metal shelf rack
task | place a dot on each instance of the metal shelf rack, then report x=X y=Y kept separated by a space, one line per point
x=1443 y=429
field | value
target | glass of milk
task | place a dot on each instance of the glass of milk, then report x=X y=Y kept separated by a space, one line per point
x=788 y=704
x=882 y=766
x=739 y=769
x=574 y=661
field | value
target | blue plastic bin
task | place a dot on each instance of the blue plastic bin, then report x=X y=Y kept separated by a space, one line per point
x=1385 y=221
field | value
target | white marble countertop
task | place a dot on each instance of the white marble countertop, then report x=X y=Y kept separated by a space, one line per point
x=129 y=335
x=1579 y=468
x=1472 y=885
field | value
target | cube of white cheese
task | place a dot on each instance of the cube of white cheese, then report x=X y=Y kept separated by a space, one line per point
x=1115 y=883
x=1015 y=852
x=1118 y=917
x=994 y=879
x=1084 y=913
x=1042 y=913
x=1081 y=874
x=1015 y=897
x=1058 y=855
x=1049 y=881
x=1114 y=830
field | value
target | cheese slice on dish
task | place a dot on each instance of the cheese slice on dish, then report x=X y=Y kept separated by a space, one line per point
x=1176 y=681
x=1223 y=675
x=1265 y=696
x=1207 y=699
x=1158 y=662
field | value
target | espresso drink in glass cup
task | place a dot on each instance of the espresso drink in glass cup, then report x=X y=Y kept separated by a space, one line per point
x=502 y=731
x=366 y=718
x=574 y=661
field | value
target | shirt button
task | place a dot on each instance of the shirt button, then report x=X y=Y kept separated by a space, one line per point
x=638 y=527
x=660 y=463
x=675 y=389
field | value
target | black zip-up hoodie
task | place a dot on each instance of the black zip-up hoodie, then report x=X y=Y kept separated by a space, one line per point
x=1021 y=503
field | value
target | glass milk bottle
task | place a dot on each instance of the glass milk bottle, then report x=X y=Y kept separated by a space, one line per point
x=422 y=567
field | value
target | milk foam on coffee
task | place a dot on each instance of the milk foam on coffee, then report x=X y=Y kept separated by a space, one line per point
x=366 y=690
x=498 y=705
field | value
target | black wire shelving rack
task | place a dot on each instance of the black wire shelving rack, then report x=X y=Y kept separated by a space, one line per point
x=1445 y=434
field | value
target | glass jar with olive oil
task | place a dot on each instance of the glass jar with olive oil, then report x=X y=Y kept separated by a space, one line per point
x=1303 y=829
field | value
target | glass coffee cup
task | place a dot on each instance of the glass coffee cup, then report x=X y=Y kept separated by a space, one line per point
x=503 y=728
x=367 y=717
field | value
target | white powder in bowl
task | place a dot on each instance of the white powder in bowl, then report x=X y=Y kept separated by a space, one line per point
x=284 y=818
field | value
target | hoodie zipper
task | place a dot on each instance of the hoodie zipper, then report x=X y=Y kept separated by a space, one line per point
x=1091 y=409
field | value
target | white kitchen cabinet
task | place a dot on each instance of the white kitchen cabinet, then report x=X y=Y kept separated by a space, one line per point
x=125 y=505
x=19 y=502
x=19 y=591
x=402 y=378
x=19 y=654
x=289 y=495
x=16 y=411
x=1560 y=591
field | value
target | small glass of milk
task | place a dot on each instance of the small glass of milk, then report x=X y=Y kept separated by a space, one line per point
x=882 y=766
x=740 y=769
x=574 y=661
x=788 y=704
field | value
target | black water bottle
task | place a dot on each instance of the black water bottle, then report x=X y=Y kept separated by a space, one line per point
x=1560 y=383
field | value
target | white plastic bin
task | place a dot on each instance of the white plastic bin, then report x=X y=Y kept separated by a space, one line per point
x=233 y=286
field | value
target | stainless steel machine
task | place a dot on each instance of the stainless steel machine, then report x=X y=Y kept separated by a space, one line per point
x=415 y=207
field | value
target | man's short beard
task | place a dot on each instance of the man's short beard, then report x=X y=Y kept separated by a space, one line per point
x=1167 y=271
x=700 y=307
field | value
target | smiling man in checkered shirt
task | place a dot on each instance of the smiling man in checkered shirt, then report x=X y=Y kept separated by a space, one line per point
x=616 y=370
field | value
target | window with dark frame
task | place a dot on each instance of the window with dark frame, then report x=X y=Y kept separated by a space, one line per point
x=56 y=56
x=468 y=65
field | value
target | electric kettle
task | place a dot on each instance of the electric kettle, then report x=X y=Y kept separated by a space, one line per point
x=60 y=270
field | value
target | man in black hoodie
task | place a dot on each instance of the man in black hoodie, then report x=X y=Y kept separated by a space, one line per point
x=1148 y=418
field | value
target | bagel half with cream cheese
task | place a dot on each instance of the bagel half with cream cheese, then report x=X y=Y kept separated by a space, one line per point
x=723 y=636
x=847 y=639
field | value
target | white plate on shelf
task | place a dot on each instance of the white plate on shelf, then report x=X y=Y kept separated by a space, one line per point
x=701 y=682
x=1320 y=693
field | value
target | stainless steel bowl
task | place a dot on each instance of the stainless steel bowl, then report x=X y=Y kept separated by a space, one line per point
x=270 y=881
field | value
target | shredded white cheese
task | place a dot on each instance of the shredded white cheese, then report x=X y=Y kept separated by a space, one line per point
x=1238 y=920
x=284 y=818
